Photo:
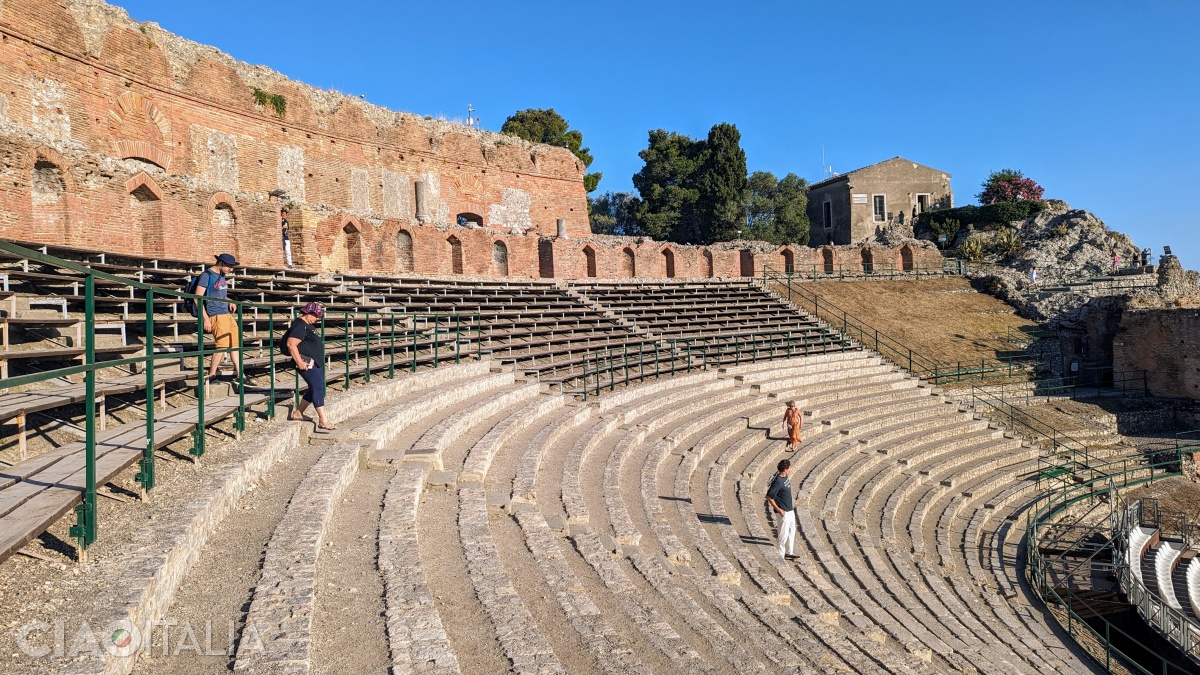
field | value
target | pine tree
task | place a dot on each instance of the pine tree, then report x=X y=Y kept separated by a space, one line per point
x=720 y=183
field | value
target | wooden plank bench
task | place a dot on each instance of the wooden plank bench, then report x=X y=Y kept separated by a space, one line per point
x=35 y=493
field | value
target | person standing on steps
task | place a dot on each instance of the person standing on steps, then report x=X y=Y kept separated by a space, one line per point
x=216 y=315
x=285 y=227
x=779 y=496
x=303 y=343
x=793 y=422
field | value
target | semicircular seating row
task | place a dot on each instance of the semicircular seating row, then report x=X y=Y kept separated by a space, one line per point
x=629 y=534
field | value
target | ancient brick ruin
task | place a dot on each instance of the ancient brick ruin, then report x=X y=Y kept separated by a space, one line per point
x=120 y=136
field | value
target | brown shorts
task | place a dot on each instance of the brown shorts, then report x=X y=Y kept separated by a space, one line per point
x=224 y=331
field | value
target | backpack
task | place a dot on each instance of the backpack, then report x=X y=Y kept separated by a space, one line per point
x=189 y=304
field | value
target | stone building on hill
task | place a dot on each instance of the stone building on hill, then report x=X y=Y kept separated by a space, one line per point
x=852 y=207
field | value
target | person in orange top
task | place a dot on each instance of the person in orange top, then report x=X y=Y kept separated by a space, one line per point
x=791 y=418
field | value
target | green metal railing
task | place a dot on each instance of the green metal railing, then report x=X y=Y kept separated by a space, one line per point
x=84 y=530
x=921 y=365
x=866 y=270
x=1058 y=492
x=622 y=365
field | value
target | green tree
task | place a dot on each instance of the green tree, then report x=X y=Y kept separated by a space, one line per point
x=720 y=184
x=547 y=126
x=667 y=188
x=616 y=213
x=776 y=210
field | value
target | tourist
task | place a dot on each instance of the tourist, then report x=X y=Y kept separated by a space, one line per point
x=779 y=496
x=303 y=343
x=1116 y=262
x=1146 y=257
x=216 y=315
x=791 y=418
x=287 y=239
x=1033 y=275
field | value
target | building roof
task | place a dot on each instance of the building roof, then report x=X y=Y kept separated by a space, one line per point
x=846 y=175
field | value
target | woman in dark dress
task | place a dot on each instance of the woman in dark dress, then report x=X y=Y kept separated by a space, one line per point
x=304 y=345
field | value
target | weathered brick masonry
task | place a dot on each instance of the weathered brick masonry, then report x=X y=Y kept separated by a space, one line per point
x=120 y=136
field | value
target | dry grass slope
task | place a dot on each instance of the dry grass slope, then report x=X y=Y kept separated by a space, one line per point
x=945 y=319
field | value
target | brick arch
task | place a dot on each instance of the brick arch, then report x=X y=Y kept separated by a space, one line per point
x=668 y=261
x=143 y=179
x=134 y=121
x=351 y=230
x=219 y=198
x=137 y=54
x=589 y=260
x=223 y=227
x=709 y=268
x=45 y=154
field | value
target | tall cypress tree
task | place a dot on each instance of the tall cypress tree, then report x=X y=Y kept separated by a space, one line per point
x=720 y=184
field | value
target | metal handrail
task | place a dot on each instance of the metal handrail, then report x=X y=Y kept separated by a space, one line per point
x=84 y=531
x=902 y=355
x=1071 y=488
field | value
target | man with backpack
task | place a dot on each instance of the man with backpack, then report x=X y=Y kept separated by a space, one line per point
x=216 y=314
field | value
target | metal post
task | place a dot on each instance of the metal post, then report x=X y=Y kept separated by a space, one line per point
x=367 y=339
x=413 y=345
x=84 y=531
x=346 y=355
x=437 y=346
x=325 y=369
x=457 y=335
x=201 y=387
x=392 y=362
x=271 y=363
x=239 y=419
x=145 y=475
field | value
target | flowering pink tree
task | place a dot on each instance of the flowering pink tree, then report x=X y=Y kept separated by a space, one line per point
x=1009 y=185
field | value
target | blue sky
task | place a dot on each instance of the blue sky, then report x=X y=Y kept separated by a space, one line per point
x=1098 y=101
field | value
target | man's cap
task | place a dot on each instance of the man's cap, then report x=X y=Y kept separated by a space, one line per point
x=313 y=308
x=226 y=259
x=284 y=210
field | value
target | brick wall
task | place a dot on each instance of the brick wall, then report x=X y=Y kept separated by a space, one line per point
x=1166 y=344
x=120 y=136
x=102 y=100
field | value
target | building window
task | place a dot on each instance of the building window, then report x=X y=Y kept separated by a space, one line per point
x=880 y=207
x=827 y=214
x=922 y=203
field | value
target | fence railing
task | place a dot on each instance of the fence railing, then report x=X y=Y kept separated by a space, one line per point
x=864 y=270
x=1172 y=623
x=1058 y=493
x=429 y=330
x=607 y=368
x=916 y=362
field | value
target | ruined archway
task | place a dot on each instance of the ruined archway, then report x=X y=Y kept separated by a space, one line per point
x=47 y=191
x=404 y=252
x=223 y=229
x=456 y=254
x=668 y=257
x=146 y=213
x=709 y=270
x=628 y=263
x=827 y=260
x=589 y=260
x=500 y=259
x=868 y=260
x=789 y=261
x=906 y=258
x=467 y=219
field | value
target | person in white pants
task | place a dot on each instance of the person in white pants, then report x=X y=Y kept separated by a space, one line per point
x=779 y=496
x=287 y=239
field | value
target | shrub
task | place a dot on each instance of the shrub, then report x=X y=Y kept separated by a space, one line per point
x=947 y=228
x=1009 y=185
x=1009 y=212
x=994 y=285
x=1059 y=230
x=973 y=249
x=1007 y=242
